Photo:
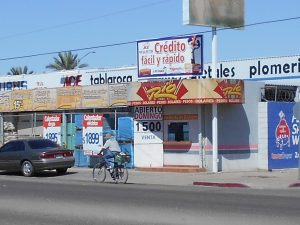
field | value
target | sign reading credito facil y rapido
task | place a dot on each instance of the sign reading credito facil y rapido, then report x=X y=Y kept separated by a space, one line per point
x=169 y=56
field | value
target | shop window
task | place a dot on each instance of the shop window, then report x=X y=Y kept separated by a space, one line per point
x=178 y=131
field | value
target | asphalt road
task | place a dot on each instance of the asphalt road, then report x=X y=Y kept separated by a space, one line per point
x=37 y=201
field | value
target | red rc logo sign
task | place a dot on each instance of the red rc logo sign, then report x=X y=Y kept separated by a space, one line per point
x=72 y=80
x=153 y=91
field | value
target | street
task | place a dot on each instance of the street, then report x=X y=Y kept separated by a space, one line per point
x=39 y=200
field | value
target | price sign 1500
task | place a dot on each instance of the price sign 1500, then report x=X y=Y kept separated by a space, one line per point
x=149 y=126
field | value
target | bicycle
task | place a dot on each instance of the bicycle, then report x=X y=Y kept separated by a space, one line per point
x=118 y=173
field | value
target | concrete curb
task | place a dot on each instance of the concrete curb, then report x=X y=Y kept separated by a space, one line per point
x=212 y=184
x=294 y=185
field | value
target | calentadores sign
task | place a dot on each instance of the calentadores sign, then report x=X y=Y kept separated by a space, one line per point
x=52 y=127
x=92 y=133
x=170 y=56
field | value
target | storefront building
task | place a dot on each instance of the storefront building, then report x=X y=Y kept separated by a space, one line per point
x=164 y=123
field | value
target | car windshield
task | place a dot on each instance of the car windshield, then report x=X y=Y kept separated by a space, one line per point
x=42 y=144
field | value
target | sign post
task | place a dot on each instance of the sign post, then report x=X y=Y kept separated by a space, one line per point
x=215 y=159
x=226 y=13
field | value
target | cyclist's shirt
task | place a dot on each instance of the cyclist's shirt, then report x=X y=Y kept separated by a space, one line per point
x=112 y=145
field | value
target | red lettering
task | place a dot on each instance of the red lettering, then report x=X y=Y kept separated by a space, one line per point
x=72 y=81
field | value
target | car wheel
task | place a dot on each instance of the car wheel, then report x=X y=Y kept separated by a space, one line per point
x=27 y=169
x=61 y=170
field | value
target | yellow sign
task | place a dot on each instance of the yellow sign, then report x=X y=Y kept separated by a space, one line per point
x=68 y=98
x=94 y=96
x=186 y=92
x=21 y=100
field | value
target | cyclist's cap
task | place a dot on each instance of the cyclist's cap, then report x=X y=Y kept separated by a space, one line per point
x=108 y=135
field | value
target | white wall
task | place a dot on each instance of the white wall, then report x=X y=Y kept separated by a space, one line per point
x=263 y=135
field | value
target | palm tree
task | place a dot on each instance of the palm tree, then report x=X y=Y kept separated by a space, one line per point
x=66 y=61
x=19 y=71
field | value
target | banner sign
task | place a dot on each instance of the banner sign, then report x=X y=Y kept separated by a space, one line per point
x=92 y=133
x=117 y=95
x=148 y=113
x=186 y=92
x=21 y=100
x=52 y=127
x=43 y=99
x=170 y=56
x=283 y=135
x=94 y=96
x=69 y=78
x=68 y=98
x=5 y=101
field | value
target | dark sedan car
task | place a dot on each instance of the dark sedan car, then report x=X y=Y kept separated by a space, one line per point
x=33 y=155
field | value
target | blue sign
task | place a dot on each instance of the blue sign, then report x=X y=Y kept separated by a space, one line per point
x=283 y=132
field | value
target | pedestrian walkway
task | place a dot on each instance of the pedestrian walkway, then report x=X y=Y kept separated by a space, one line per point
x=277 y=179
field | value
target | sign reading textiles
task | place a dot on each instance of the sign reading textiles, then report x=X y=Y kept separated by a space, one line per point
x=92 y=132
x=186 y=92
x=170 y=56
x=52 y=127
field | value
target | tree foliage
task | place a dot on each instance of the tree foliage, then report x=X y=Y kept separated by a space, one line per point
x=19 y=70
x=66 y=61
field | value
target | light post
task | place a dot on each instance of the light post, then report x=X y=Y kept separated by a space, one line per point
x=78 y=61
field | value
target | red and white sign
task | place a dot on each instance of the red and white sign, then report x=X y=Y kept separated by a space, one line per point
x=52 y=127
x=92 y=133
x=170 y=56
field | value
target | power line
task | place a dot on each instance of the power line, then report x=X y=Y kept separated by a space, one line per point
x=83 y=21
x=132 y=42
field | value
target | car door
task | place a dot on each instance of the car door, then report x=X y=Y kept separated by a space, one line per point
x=11 y=154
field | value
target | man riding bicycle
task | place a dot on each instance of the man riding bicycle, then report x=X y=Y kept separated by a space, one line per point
x=111 y=145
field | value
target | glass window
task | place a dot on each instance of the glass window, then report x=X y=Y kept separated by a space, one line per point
x=41 y=144
x=178 y=131
x=13 y=146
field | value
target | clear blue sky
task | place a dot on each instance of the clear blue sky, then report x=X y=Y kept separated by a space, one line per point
x=34 y=26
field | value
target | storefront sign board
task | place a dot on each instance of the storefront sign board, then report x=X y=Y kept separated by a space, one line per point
x=21 y=100
x=43 y=99
x=52 y=127
x=169 y=56
x=186 y=92
x=94 y=96
x=283 y=132
x=92 y=133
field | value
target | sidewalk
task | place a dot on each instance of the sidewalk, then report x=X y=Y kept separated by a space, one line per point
x=277 y=179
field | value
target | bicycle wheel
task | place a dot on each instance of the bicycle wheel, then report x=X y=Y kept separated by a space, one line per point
x=99 y=173
x=122 y=175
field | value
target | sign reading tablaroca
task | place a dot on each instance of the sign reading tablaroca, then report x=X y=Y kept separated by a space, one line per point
x=148 y=113
x=92 y=133
x=170 y=56
x=52 y=127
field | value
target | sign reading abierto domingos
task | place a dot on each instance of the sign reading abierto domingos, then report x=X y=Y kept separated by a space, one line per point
x=148 y=113
x=92 y=133
x=52 y=127
x=148 y=126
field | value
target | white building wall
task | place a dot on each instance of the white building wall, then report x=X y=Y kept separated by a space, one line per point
x=263 y=135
